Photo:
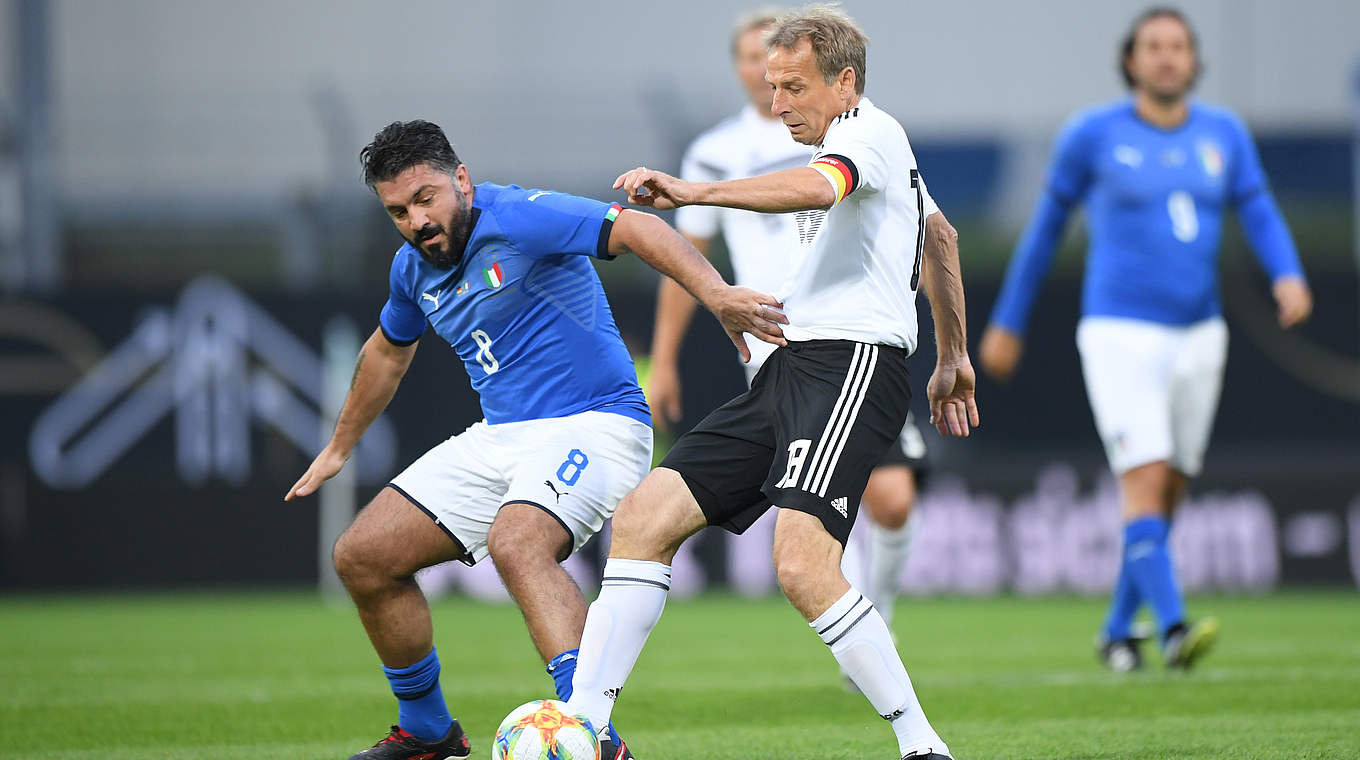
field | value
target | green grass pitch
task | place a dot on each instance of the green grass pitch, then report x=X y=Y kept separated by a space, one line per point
x=288 y=676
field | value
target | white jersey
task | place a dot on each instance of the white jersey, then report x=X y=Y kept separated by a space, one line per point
x=761 y=246
x=857 y=267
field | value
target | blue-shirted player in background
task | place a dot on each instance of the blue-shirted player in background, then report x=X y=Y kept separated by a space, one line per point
x=501 y=274
x=1156 y=173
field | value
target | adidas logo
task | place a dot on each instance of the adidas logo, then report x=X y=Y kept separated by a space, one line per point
x=613 y=694
x=841 y=504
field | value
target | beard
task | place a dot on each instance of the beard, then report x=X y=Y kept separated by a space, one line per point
x=446 y=255
x=1170 y=92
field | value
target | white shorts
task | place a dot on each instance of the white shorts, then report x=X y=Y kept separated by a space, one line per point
x=1153 y=388
x=575 y=468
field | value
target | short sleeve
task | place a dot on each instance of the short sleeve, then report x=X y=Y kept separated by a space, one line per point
x=1069 y=174
x=850 y=160
x=698 y=221
x=927 y=203
x=542 y=224
x=401 y=320
x=1248 y=178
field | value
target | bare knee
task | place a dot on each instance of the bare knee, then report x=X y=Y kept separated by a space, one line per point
x=889 y=496
x=655 y=518
x=524 y=537
x=795 y=573
x=1146 y=490
x=636 y=534
x=356 y=564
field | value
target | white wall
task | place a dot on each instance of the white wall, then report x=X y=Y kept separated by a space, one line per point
x=166 y=98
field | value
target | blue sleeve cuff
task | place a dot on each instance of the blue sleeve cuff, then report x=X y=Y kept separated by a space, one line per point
x=394 y=340
x=606 y=227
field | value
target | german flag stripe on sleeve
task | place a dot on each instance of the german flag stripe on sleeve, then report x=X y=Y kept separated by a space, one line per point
x=841 y=171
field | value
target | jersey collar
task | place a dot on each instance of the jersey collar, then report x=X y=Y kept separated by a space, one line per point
x=863 y=103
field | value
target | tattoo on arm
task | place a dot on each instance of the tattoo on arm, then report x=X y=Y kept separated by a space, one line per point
x=358 y=365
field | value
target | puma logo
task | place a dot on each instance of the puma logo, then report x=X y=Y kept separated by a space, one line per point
x=558 y=493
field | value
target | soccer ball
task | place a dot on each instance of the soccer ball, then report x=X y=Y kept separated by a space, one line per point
x=545 y=730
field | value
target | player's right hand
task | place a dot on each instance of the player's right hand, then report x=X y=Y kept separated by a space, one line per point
x=742 y=310
x=323 y=468
x=1294 y=298
x=664 y=395
x=1000 y=352
x=659 y=190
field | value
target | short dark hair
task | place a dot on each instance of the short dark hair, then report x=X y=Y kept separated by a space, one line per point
x=1155 y=12
x=403 y=144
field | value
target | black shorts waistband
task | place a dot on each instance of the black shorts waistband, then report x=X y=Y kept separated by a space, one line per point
x=821 y=343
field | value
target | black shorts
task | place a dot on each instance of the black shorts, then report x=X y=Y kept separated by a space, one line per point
x=818 y=417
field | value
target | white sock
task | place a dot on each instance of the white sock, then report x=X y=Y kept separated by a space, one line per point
x=888 y=550
x=632 y=596
x=859 y=639
x=852 y=561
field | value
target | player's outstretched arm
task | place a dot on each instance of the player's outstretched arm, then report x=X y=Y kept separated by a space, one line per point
x=377 y=373
x=953 y=410
x=665 y=250
x=778 y=192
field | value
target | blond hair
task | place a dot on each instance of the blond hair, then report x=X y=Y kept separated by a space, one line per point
x=759 y=18
x=836 y=41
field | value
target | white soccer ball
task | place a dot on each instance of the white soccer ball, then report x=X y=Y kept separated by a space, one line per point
x=545 y=730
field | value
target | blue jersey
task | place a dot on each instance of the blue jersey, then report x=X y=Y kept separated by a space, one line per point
x=524 y=308
x=1154 y=203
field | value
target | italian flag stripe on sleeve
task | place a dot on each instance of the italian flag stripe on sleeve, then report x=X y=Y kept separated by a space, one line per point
x=602 y=245
x=840 y=171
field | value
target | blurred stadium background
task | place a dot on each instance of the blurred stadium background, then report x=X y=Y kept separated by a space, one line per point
x=189 y=260
x=182 y=226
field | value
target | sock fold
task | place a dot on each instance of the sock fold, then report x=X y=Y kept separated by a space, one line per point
x=421 y=709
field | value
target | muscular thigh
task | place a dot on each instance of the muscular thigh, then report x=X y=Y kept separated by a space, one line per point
x=394 y=534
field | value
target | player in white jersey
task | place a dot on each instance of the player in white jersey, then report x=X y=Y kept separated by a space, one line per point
x=751 y=143
x=824 y=407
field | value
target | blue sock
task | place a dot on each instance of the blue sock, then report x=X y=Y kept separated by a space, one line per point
x=562 y=668
x=1124 y=603
x=421 y=710
x=1149 y=563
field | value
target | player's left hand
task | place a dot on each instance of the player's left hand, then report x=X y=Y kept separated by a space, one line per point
x=742 y=310
x=658 y=190
x=953 y=411
x=1294 y=298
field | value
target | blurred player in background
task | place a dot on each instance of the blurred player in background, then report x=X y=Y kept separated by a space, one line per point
x=822 y=410
x=751 y=143
x=501 y=274
x=1156 y=172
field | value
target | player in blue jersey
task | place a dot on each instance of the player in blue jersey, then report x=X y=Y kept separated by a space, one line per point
x=501 y=273
x=1156 y=172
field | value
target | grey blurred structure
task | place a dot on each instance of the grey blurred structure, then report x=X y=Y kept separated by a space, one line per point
x=183 y=226
x=181 y=117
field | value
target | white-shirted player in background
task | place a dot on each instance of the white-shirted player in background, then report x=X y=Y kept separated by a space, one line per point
x=822 y=409
x=751 y=143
